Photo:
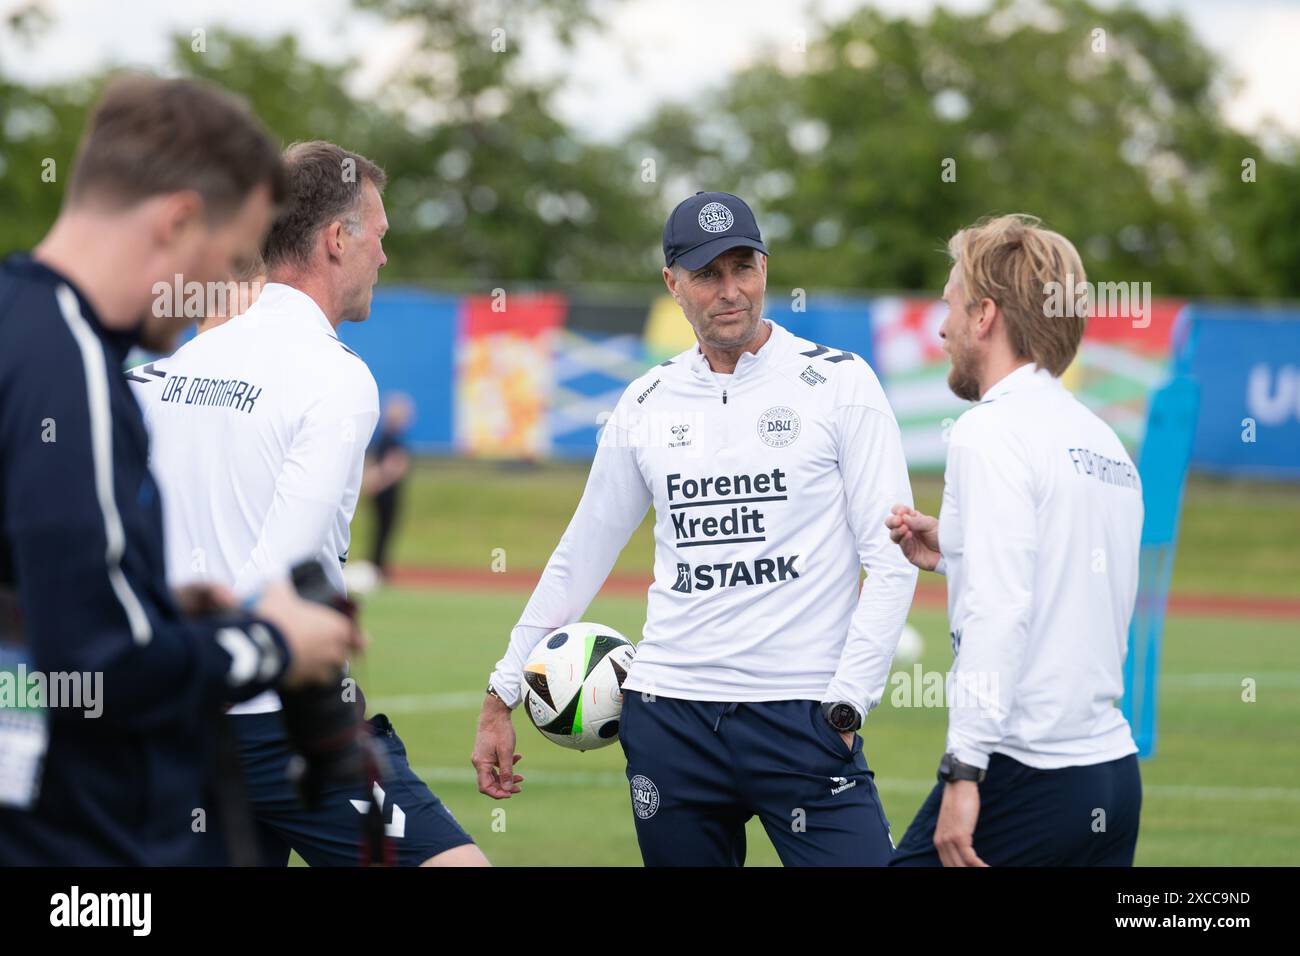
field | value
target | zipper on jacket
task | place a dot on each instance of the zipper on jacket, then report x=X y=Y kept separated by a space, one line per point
x=724 y=396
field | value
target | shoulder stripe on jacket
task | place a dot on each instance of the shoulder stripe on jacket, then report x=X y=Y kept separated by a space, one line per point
x=95 y=364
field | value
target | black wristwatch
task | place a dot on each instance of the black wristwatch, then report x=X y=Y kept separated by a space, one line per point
x=842 y=715
x=951 y=770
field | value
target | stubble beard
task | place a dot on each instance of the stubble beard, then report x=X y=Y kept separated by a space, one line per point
x=962 y=377
x=741 y=337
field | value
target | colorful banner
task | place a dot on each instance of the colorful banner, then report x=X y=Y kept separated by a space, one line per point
x=914 y=369
x=504 y=373
x=599 y=351
x=1119 y=362
x=532 y=375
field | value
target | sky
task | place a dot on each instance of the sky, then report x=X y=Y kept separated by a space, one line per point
x=650 y=51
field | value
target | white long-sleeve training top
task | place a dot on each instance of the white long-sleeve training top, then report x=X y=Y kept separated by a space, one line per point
x=258 y=431
x=1040 y=532
x=770 y=488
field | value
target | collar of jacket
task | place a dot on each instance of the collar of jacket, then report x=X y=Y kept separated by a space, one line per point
x=298 y=305
x=750 y=364
x=1026 y=376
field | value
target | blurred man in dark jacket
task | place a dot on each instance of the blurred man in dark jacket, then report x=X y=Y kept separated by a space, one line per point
x=173 y=181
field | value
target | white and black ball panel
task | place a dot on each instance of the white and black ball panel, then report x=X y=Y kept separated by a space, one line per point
x=574 y=684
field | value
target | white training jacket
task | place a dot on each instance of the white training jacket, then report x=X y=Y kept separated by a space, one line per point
x=1040 y=532
x=258 y=431
x=770 y=489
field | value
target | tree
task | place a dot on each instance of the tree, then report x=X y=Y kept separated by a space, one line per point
x=863 y=155
x=485 y=183
x=489 y=184
x=40 y=128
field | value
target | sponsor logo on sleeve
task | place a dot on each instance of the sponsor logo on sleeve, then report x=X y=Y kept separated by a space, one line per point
x=812 y=376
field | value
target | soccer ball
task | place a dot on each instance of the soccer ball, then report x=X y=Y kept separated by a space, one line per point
x=910 y=646
x=361 y=578
x=574 y=681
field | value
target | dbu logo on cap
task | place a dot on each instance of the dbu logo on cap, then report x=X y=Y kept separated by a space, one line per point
x=715 y=217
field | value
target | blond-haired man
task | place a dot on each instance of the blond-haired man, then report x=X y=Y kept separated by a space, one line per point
x=1038 y=535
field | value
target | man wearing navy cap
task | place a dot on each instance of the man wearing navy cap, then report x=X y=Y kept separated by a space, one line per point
x=771 y=462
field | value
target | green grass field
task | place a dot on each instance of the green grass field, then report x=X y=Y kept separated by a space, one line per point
x=1224 y=788
x=1237 y=537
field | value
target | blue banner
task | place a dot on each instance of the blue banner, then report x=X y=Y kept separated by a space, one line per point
x=836 y=323
x=409 y=342
x=1247 y=363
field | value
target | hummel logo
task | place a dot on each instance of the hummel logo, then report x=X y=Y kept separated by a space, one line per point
x=397 y=828
x=842 y=783
x=148 y=370
x=679 y=433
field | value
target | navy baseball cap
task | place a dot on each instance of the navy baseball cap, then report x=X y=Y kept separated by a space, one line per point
x=705 y=226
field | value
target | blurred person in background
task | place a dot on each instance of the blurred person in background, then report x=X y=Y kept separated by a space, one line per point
x=387 y=463
x=246 y=281
x=172 y=178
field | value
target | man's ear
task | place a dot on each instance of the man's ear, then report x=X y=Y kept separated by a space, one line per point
x=670 y=280
x=334 y=240
x=177 y=213
x=984 y=321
